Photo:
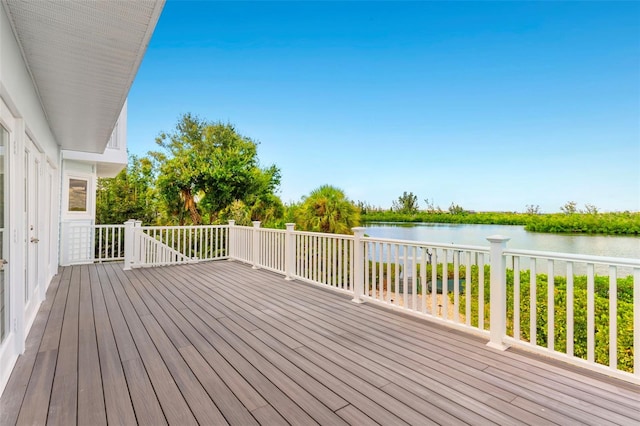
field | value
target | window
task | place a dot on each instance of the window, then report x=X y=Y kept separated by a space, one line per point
x=78 y=195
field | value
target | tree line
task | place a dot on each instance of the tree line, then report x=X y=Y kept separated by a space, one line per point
x=570 y=219
x=207 y=173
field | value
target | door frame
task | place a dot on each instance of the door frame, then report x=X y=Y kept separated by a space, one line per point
x=33 y=261
x=13 y=344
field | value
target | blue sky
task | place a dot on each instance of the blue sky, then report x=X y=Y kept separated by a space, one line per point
x=489 y=105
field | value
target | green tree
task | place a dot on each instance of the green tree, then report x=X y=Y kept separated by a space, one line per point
x=569 y=207
x=455 y=209
x=532 y=209
x=204 y=167
x=327 y=209
x=406 y=203
x=129 y=195
x=590 y=209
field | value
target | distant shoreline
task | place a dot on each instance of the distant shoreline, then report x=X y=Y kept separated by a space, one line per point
x=625 y=223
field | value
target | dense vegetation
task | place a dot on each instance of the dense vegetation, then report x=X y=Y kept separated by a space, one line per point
x=624 y=296
x=207 y=173
x=626 y=223
x=571 y=219
x=625 y=350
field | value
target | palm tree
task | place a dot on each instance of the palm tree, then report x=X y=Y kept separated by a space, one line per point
x=327 y=209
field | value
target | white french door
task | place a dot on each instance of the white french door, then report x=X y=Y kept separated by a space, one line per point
x=8 y=300
x=5 y=301
x=32 y=279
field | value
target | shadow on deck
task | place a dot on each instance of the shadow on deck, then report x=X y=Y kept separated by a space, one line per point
x=218 y=343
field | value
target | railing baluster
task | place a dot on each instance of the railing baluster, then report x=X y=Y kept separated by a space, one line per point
x=550 y=305
x=590 y=313
x=516 y=297
x=445 y=284
x=613 y=317
x=467 y=291
x=636 y=321
x=434 y=283
x=570 y=319
x=369 y=281
x=456 y=286
x=481 y=261
x=533 y=316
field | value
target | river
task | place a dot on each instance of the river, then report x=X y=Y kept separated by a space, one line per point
x=597 y=245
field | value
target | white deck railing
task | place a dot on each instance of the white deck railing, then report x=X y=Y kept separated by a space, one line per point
x=577 y=308
x=401 y=275
x=590 y=317
x=172 y=245
x=87 y=243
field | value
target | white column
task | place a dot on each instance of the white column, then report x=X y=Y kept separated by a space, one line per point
x=231 y=240
x=289 y=252
x=498 y=296
x=139 y=249
x=358 y=265
x=256 y=244
x=128 y=244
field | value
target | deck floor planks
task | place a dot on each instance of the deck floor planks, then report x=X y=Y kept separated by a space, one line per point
x=63 y=405
x=506 y=408
x=361 y=385
x=224 y=335
x=11 y=402
x=594 y=399
x=204 y=320
x=241 y=390
x=35 y=405
x=196 y=368
x=124 y=385
x=166 y=361
x=301 y=388
x=174 y=406
x=91 y=409
x=480 y=408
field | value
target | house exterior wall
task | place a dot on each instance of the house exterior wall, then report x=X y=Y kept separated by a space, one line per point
x=32 y=142
x=36 y=176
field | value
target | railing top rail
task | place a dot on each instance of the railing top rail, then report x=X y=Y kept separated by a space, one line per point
x=90 y=225
x=613 y=261
x=157 y=227
x=276 y=231
x=425 y=244
x=324 y=234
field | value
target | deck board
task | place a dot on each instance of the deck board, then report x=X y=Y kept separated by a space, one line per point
x=220 y=343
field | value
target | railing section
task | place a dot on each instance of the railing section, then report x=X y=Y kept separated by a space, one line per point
x=443 y=282
x=584 y=309
x=88 y=243
x=241 y=243
x=325 y=259
x=270 y=249
x=202 y=242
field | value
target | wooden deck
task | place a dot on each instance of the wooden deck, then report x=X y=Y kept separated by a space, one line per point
x=218 y=343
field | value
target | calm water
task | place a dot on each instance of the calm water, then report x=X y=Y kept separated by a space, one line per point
x=597 y=245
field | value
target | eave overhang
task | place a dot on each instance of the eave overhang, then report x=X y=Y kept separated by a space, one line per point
x=83 y=57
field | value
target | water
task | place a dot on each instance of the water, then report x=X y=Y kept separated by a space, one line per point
x=597 y=245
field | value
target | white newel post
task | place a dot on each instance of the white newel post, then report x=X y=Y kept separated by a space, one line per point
x=231 y=240
x=139 y=249
x=358 y=265
x=128 y=244
x=256 y=244
x=289 y=251
x=498 y=296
